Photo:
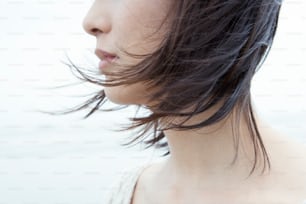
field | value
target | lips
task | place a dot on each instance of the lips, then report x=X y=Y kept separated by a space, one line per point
x=106 y=58
x=103 y=55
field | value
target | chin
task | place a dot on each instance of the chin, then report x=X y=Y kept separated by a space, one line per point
x=134 y=94
x=115 y=95
x=121 y=95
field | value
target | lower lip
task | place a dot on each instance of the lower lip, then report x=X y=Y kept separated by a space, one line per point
x=104 y=63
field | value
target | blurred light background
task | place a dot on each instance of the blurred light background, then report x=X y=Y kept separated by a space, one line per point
x=66 y=159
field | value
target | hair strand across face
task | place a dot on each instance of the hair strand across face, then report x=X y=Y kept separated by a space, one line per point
x=208 y=57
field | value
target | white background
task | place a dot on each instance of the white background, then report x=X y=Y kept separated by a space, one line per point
x=65 y=159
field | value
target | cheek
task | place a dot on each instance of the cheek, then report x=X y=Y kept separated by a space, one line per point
x=136 y=20
x=127 y=95
x=135 y=24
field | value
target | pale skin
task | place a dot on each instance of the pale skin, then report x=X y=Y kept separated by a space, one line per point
x=198 y=169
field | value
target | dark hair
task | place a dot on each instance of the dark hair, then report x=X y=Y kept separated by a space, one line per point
x=209 y=55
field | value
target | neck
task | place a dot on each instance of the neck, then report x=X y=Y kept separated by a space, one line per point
x=207 y=153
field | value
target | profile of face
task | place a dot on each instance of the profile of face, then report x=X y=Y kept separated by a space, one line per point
x=127 y=23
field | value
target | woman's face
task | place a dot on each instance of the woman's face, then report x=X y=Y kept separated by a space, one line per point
x=126 y=23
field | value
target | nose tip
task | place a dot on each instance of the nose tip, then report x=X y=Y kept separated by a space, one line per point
x=95 y=26
x=89 y=27
x=97 y=19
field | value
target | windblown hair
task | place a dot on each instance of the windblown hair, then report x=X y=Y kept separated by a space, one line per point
x=209 y=56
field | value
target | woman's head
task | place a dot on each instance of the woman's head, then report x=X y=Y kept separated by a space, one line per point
x=207 y=49
x=181 y=58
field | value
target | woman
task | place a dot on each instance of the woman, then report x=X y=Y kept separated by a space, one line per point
x=190 y=63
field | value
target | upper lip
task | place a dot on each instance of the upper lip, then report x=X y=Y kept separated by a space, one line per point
x=103 y=55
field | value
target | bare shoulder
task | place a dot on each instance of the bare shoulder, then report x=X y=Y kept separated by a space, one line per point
x=285 y=183
x=141 y=192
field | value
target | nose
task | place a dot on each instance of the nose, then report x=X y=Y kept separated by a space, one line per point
x=96 y=21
